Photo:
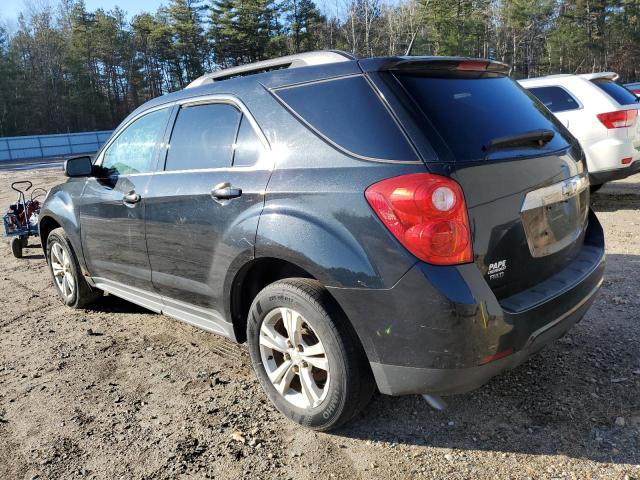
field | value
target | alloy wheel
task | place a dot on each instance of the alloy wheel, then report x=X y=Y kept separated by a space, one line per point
x=294 y=358
x=62 y=272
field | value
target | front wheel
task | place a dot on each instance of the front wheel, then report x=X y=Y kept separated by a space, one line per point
x=72 y=287
x=306 y=355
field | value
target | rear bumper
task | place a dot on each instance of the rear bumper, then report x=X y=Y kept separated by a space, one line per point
x=399 y=380
x=603 y=176
x=604 y=156
x=437 y=328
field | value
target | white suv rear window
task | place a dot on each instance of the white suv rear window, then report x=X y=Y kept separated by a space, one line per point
x=615 y=91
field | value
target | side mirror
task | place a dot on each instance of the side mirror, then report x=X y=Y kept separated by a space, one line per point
x=78 y=167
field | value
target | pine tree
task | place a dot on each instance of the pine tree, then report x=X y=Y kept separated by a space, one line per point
x=304 y=25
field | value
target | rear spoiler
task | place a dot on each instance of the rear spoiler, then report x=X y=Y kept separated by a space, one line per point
x=435 y=64
x=613 y=76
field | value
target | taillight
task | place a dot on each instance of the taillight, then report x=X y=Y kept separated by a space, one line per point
x=427 y=214
x=619 y=119
x=473 y=65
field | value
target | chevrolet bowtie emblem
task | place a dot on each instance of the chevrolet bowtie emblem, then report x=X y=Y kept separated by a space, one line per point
x=570 y=187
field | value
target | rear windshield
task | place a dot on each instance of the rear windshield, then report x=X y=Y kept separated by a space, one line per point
x=615 y=91
x=469 y=113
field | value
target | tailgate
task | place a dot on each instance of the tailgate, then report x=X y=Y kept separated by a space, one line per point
x=523 y=176
x=528 y=218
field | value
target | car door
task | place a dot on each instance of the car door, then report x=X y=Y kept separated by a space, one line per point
x=202 y=210
x=112 y=205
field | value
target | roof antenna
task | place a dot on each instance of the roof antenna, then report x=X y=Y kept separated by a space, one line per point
x=410 y=47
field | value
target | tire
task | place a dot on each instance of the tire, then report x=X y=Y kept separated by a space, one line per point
x=25 y=241
x=62 y=259
x=16 y=247
x=347 y=384
x=595 y=188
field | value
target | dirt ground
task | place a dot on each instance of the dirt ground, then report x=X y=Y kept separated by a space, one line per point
x=119 y=392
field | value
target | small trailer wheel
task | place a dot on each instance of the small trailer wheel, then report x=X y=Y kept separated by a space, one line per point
x=16 y=247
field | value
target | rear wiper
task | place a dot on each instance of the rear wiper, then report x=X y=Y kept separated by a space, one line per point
x=533 y=138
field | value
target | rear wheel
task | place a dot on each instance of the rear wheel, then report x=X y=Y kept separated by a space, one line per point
x=16 y=247
x=306 y=355
x=72 y=287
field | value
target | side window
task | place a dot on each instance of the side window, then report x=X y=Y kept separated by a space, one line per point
x=248 y=146
x=133 y=151
x=349 y=113
x=203 y=137
x=555 y=99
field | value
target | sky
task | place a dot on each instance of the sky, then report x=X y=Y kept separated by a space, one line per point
x=9 y=9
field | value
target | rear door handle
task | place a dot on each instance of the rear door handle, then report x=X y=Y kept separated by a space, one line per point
x=131 y=198
x=224 y=191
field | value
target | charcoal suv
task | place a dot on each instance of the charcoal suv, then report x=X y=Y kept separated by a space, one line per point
x=415 y=224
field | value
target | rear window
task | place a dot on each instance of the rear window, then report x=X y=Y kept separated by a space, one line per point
x=469 y=112
x=556 y=99
x=348 y=113
x=615 y=91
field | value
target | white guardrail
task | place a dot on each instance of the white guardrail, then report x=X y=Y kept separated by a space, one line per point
x=49 y=146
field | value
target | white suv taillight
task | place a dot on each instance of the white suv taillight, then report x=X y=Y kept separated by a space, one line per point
x=619 y=119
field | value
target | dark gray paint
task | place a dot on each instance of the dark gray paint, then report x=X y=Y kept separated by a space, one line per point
x=309 y=208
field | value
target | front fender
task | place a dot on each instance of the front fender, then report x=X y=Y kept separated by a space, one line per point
x=59 y=207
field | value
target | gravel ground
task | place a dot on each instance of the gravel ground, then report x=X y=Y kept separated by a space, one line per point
x=118 y=392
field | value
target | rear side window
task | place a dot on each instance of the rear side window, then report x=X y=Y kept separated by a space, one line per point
x=470 y=112
x=203 y=137
x=555 y=99
x=349 y=114
x=615 y=91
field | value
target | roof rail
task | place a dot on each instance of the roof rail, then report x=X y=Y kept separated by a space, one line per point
x=290 y=61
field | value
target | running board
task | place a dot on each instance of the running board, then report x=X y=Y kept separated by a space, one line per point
x=206 y=319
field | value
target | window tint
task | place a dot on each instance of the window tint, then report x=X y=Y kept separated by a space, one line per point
x=248 y=146
x=133 y=151
x=615 y=91
x=203 y=137
x=349 y=113
x=470 y=112
x=555 y=99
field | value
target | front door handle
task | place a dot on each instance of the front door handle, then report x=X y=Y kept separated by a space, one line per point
x=224 y=191
x=131 y=198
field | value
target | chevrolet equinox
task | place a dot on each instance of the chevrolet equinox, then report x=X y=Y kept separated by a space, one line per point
x=411 y=224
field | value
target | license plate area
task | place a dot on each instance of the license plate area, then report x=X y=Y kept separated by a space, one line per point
x=554 y=217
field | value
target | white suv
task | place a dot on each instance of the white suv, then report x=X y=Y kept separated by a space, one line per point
x=601 y=114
